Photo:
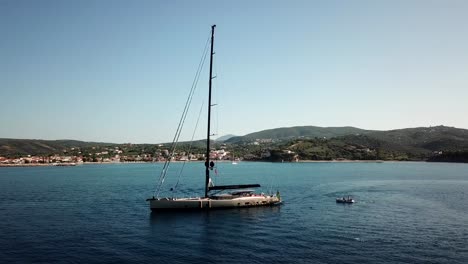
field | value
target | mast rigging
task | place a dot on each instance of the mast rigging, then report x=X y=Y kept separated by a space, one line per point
x=207 y=163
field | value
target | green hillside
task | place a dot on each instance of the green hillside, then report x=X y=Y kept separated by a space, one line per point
x=20 y=147
x=316 y=143
x=14 y=148
x=439 y=143
x=285 y=133
x=429 y=138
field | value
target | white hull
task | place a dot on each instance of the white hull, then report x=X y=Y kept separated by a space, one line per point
x=212 y=202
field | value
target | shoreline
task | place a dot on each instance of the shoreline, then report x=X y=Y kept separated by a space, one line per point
x=223 y=161
x=220 y=161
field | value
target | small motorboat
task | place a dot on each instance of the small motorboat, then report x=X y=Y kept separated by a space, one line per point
x=345 y=200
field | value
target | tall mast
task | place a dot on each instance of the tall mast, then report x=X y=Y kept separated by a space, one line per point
x=207 y=164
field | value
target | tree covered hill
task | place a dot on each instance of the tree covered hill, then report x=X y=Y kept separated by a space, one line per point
x=429 y=138
x=317 y=143
x=286 y=133
x=18 y=147
x=310 y=142
x=225 y=137
x=15 y=148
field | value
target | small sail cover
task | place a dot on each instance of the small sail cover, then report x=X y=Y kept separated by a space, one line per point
x=210 y=183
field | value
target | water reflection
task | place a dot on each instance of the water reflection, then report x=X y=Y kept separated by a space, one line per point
x=237 y=214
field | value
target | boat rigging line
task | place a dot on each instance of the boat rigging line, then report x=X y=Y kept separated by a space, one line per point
x=162 y=176
x=189 y=150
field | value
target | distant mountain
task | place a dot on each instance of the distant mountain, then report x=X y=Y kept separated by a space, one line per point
x=307 y=142
x=429 y=138
x=421 y=143
x=286 y=133
x=22 y=147
x=225 y=137
x=18 y=147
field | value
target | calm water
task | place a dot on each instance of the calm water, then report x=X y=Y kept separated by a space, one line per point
x=405 y=212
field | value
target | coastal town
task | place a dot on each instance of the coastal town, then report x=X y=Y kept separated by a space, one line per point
x=395 y=145
x=75 y=156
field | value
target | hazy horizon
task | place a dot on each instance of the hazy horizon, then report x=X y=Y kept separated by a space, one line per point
x=120 y=71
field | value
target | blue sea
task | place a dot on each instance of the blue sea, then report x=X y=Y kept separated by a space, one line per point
x=404 y=213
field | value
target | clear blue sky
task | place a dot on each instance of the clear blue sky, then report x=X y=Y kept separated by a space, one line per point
x=120 y=71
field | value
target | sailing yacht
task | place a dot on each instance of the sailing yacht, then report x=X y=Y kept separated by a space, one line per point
x=236 y=196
